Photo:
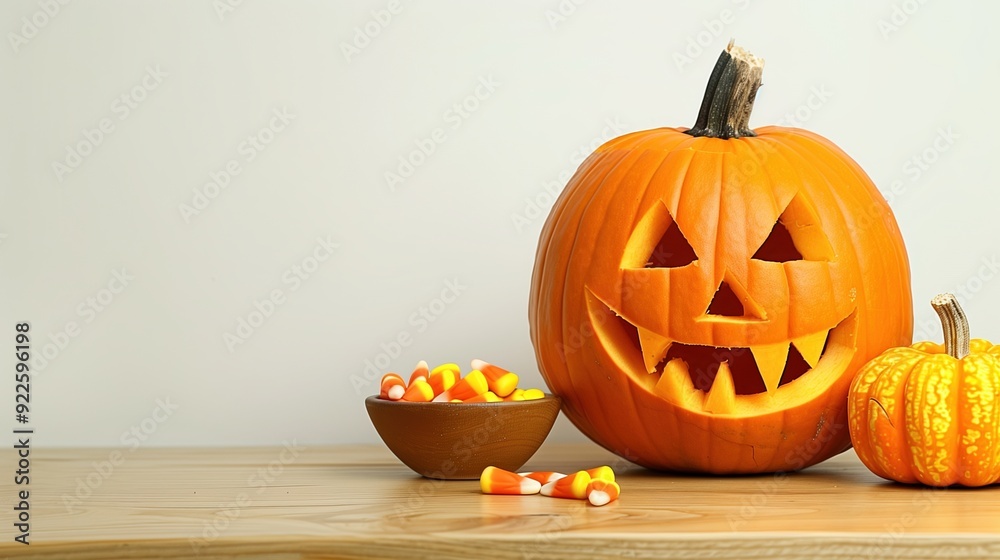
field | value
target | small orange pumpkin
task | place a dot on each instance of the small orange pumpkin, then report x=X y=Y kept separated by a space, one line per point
x=703 y=297
x=931 y=413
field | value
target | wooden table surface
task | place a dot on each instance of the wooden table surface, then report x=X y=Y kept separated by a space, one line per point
x=359 y=501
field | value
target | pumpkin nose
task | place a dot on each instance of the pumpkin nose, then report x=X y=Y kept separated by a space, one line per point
x=726 y=303
x=733 y=302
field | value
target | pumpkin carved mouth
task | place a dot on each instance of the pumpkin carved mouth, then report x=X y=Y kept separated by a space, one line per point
x=719 y=380
x=745 y=365
x=723 y=374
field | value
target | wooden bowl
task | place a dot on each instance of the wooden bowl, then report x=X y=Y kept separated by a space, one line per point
x=456 y=441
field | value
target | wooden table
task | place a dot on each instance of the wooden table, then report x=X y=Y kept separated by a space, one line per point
x=358 y=501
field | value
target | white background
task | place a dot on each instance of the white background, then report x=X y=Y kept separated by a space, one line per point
x=885 y=81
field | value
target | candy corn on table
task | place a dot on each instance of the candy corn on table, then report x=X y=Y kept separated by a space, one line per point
x=295 y=502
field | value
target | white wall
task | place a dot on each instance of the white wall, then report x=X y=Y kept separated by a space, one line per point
x=560 y=87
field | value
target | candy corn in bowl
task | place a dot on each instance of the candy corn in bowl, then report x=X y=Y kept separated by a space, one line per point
x=446 y=425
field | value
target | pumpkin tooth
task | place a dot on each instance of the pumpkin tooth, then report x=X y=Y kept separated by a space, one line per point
x=811 y=346
x=771 y=360
x=721 y=398
x=675 y=384
x=654 y=348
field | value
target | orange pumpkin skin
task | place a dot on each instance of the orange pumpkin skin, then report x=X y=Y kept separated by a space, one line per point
x=920 y=415
x=592 y=296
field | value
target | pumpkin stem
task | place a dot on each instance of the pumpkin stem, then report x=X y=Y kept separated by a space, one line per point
x=732 y=88
x=954 y=324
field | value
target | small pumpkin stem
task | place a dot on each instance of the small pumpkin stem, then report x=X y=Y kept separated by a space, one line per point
x=954 y=324
x=732 y=89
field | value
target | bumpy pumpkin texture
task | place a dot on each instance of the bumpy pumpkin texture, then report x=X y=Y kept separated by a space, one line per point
x=702 y=297
x=930 y=414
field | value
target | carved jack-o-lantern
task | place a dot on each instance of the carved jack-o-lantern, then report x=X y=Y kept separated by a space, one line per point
x=702 y=297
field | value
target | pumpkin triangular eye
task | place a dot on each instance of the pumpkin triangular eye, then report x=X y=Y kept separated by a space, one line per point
x=797 y=236
x=657 y=242
x=726 y=303
x=672 y=251
x=778 y=247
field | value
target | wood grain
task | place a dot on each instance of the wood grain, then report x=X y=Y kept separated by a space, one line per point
x=360 y=502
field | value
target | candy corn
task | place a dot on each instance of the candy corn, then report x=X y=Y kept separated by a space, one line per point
x=517 y=395
x=442 y=380
x=466 y=388
x=501 y=381
x=446 y=384
x=544 y=477
x=499 y=481
x=532 y=394
x=392 y=387
x=418 y=372
x=602 y=473
x=488 y=396
x=447 y=367
x=601 y=492
x=418 y=391
x=596 y=485
x=570 y=486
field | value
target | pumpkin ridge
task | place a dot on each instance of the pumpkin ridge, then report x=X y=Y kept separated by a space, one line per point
x=649 y=197
x=552 y=222
x=622 y=169
x=862 y=389
x=605 y=223
x=901 y=381
x=553 y=256
x=964 y=463
x=924 y=376
x=775 y=150
x=994 y=420
x=580 y=211
x=841 y=213
x=874 y=199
